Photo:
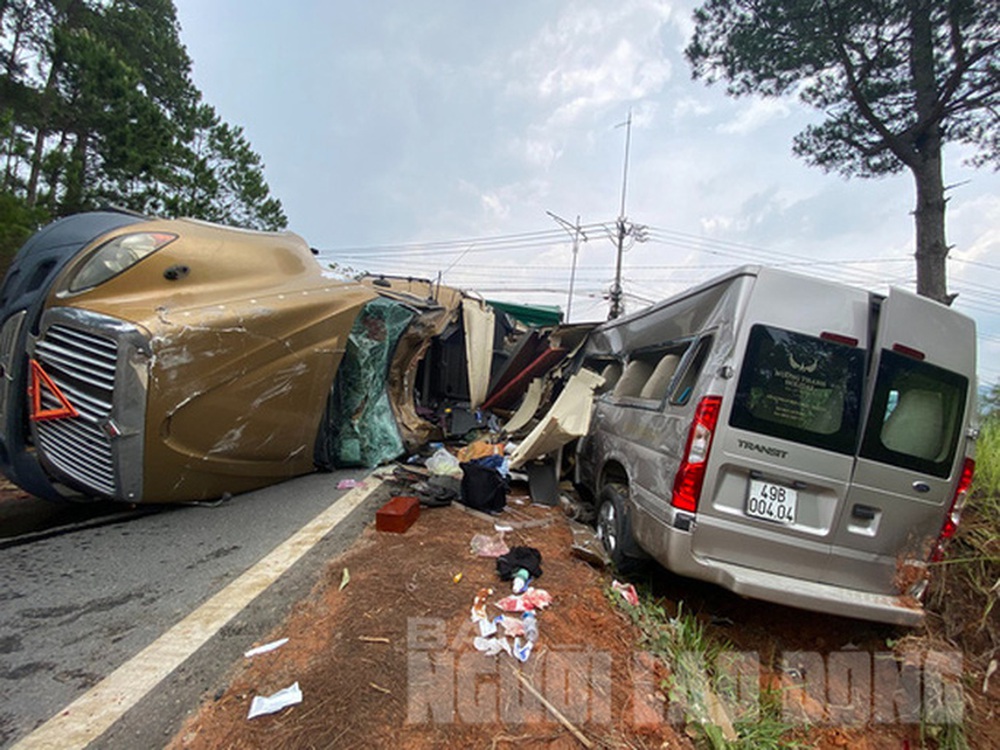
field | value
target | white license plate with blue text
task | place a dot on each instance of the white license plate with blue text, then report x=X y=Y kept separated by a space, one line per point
x=771 y=502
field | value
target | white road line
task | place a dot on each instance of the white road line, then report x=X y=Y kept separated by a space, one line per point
x=93 y=713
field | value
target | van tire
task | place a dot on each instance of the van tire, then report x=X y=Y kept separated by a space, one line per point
x=614 y=529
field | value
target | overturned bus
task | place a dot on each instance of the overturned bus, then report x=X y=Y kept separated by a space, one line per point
x=153 y=360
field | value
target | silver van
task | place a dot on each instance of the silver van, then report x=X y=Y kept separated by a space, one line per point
x=788 y=438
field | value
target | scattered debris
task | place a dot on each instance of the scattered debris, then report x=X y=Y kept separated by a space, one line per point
x=345 y=578
x=398 y=514
x=587 y=546
x=479 y=604
x=567 y=419
x=270 y=704
x=443 y=463
x=989 y=673
x=522 y=650
x=511 y=625
x=528 y=559
x=265 y=648
x=349 y=484
x=373 y=639
x=492 y=646
x=483 y=545
x=531 y=599
x=628 y=592
x=484 y=486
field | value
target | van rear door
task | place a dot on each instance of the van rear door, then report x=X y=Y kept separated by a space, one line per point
x=783 y=453
x=912 y=448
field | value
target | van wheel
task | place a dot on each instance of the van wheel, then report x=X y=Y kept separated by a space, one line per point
x=613 y=528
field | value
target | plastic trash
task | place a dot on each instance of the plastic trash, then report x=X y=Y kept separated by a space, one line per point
x=270 y=704
x=479 y=604
x=349 y=484
x=442 y=463
x=489 y=546
x=487 y=628
x=531 y=599
x=492 y=646
x=265 y=648
x=520 y=580
x=511 y=626
x=530 y=622
x=628 y=592
x=522 y=650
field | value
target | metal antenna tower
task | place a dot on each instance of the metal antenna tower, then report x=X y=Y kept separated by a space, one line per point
x=617 y=308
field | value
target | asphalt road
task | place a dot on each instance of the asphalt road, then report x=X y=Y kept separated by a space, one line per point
x=79 y=600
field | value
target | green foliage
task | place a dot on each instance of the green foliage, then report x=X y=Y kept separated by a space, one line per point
x=17 y=223
x=894 y=79
x=891 y=76
x=986 y=483
x=965 y=585
x=106 y=113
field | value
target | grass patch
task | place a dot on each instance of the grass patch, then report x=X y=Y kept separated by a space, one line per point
x=965 y=585
x=712 y=688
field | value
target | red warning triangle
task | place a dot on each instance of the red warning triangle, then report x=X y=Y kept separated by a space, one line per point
x=40 y=380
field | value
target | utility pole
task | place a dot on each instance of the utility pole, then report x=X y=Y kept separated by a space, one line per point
x=576 y=234
x=617 y=308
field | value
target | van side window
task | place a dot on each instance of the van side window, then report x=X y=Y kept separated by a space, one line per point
x=695 y=364
x=659 y=380
x=916 y=415
x=633 y=378
x=648 y=374
x=802 y=388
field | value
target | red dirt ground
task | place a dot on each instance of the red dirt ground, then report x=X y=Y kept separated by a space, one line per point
x=388 y=660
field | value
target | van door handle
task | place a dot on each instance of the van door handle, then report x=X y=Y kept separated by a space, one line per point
x=921 y=486
x=864 y=512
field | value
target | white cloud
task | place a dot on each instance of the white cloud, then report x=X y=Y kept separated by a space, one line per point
x=591 y=58
x=689 y=107
x=494 y=206
x=757 y=114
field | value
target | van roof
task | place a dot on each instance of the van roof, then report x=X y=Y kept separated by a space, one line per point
x=749 y=270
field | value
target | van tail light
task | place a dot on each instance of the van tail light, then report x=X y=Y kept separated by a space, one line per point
x=950 y=525
x=691 y=474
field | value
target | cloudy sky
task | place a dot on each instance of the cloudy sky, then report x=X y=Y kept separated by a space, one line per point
x=434 y=136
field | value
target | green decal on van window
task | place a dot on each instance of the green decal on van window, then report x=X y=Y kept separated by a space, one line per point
x=916 y=415
x=800 y=388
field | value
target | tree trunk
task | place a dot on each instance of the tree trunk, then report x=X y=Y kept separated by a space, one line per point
x=932 y=249
x=927 y=167
x=38 y=154
x=76 y=177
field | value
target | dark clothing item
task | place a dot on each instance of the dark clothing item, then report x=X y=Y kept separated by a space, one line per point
x=528 y=558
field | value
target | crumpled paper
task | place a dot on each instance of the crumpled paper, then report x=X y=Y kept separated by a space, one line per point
x=270 y=704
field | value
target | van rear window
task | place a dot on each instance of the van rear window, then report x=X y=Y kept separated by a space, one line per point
x=916 y=415
x=802 y=388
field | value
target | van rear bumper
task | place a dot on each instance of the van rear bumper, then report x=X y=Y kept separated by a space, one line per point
x=671 y=547
x=821 y=597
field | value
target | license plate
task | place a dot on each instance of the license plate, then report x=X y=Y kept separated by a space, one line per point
x=771 y=502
